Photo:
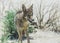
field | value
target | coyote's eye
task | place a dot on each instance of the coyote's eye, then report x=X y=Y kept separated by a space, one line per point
x=30 y=14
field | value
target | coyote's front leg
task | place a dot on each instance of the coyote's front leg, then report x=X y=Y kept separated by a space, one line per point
x=28 y=40
x=21 y=36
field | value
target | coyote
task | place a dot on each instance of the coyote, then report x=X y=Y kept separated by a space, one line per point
x=22 y=19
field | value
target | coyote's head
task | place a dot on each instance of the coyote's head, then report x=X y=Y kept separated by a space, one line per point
x=28 y=13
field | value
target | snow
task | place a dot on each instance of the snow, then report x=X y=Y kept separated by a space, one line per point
x=44 y=37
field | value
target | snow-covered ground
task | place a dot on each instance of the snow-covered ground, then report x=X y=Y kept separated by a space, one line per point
x=45 y=37
x=42 y=37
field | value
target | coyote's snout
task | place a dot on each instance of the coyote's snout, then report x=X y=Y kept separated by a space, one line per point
x=21 y=20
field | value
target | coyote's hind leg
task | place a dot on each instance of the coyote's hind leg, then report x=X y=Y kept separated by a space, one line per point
x=19 y=35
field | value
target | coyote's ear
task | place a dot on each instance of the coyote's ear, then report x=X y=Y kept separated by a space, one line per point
x=23 y=8
x=30 y=8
